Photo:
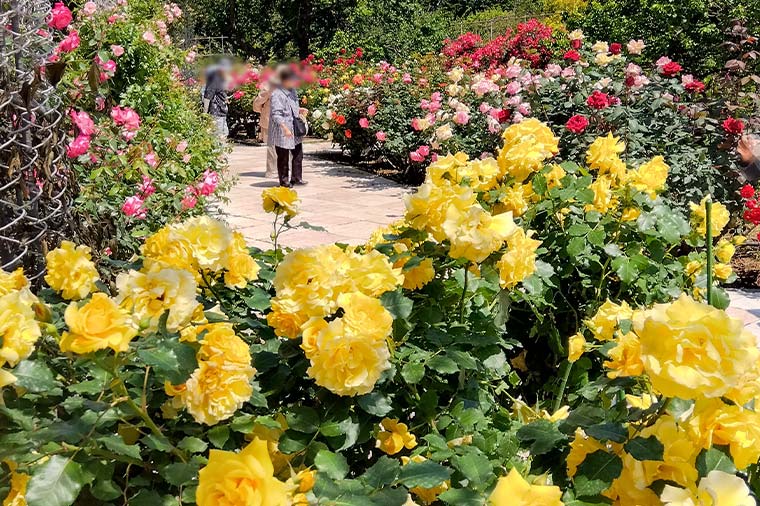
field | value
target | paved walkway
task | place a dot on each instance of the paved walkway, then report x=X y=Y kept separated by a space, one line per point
x=346 y=202
x=349 y=204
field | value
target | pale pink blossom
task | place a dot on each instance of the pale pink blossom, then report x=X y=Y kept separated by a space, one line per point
x=190 y=200
x=181 y=146
x=635 y=46
x=89 y=8
x=484 y=108
x=187 y=158
x=552 y=70
x=513 y=88
x=190 y=56
x=134 y=207
x=364 y=122
x=146 y=188
x=380 y=136
x=209 y=182
x=100 y=103
x=424 y=150
x=117 y=50
x=371 y=110
x=151 y=160
x=415 y=156
x=462 y=118
x=149 y=37
x=406 y=78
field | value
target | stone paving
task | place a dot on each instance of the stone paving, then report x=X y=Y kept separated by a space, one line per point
x=349 y=204
x=346 y=202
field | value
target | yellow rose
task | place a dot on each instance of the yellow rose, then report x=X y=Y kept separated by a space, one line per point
x=279 y=200
x=394 y=437
x=171 y=248
x=17 y=494
x=245 y=478
x=580 y=447
x=715 y=423
x=519 y=262
x=692 y=349
x=722 y=271
x=576 y=346
x=427 y=208
x=630 y=214
x=605 y=322
x=625 y=358
x=419 y=275
x=724 y=251
x=715 y=489
x=554 y=176
x=474 y=233
x=425 y=495
x=286 y=318
x=516 y=199
x=604 y=155
x=208 y=239
x=604 y=198
x=513 y=490
x=19 y=330
x=12 y=281
x=71 y=271
x=527 y=145
x=719 y=217
x=98 y=324
x=148 y=295
x=651 y=177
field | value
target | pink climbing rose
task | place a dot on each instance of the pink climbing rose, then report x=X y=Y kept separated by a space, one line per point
x=60 y=16
x=208 y=183
x=134 y=207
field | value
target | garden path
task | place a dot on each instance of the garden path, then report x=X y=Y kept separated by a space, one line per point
x=349 y=204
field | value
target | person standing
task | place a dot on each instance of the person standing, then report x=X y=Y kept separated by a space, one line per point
x=287 y=128
x=217 y=96
x=263 y=105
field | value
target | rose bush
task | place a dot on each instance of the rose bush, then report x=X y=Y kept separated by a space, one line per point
x=142 y=153
x=529 y=333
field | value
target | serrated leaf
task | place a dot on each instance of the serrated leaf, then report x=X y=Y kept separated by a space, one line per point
x=375 y=404
x=382 y=473
x=426 y=474
x=614 y=432
x=303 y=419
x=475 y=467
x=117 y=445
x=645 y=448
x=596 y=473
x=442 y=364
x=218 y=435
x=180 y=473
x=57 y=482
x=193 y=445
x=34 y=376
x=397 y=304
x=462 y=497
x=332 y=464
x=412 y=372
x=714 y=460
x=542 y=435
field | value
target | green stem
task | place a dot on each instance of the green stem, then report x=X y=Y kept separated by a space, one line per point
x=464 y=294
x=562 y=387
x=709 y=240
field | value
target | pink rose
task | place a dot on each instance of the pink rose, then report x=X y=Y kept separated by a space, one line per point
x=117 y=50
x=364 y=122
x=416 y=156
x=83 y=122
x=187 y=158
x=208 y=184
x=181 y=147
x=406 y=78
x=78 y=146
x=100 y=103
x=151 y=160
x=89 y=8
x=424 y=150
x=126 y=117
x=380 y=136
x=190 y=56
x=149 y=37
x=113 y=18
x=462 y=118
x=190 y=199
x=371 y=110
x=134 y=207
x=513 y=88
x=69 y=43
x=60 y=16
x=238 y=94
x=146 y=188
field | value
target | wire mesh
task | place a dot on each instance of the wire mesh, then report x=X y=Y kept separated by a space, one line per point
x=35 y=185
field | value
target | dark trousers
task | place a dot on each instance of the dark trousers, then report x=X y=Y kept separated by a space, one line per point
x=284 y=162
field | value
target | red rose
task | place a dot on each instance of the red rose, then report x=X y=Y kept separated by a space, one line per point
x=340 y=119
x=576 y=44
x=695 y=86
x=348 y=134
x=733 y=126
x=752 y=216
x=572 y=55
x=598 y=100
x=671 y=69
x=616 y=48
x=577 y=124
x=747 y=191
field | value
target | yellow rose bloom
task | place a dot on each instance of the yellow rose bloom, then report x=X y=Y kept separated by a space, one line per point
x=527 y=145
x=19 y=330
x=605 y=322
x=513 y=490
x=245 y=478
x=419 y=275
x=239 y=265
x=604 y=155
x=576 y=346
x=715 y=423
x=447 y=168
x=604 y=198
x=724 y=251
x=690 y=348
x=625 y=358
x=519 y=262
x=98 y=324
x=427 y=208
x=394 y=437
x=693 y=268
x=17 y=494
x=208 y=239
x=516 y=199
x=630 y=214
x=651 y=177
x=722 y=271
x=580 y=447
x=306 y=479
x=554 y=176
x=719 y=217
x=12 y=281
x=474 y=233
x=280 y=200
x=715 y=489
x=170 y=248
x=148 y=295
x=70 y=271
x=425 y=495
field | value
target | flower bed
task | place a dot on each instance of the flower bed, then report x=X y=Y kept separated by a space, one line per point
x=530 y=333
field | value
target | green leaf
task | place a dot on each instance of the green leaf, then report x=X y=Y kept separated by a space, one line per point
x=442 y=364
x=426 y=474
x=714 y=460
x=375 y=404
x=596 y=473
x=193 y=445
x=117 y=445
x=397 y=304
x=542 y=435
x=218 y=435
x=180 y=473
x=645 y=448
x=259 y=300
x=462 y=497
x=383 y=473
x=614 y=432
x=34 y=376
x=412 y=372
x=57 y=482
x=332 y=464
x=303 y=419
x=475 y=467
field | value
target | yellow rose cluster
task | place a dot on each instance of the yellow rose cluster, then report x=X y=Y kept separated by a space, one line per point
x=222 y=382
x=691 y=351
x=719 y=217
x=19 y=330
x=70 y=271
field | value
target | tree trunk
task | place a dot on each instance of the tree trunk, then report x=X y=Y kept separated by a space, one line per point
x=303 y=28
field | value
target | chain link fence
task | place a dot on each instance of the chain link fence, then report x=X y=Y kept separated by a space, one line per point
x=36 y=187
